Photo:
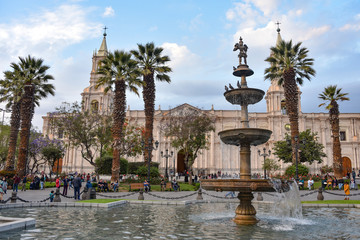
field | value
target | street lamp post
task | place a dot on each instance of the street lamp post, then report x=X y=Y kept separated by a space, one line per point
x=149 y=147
x=167 y=155
x=264 y=155
x=174 y=168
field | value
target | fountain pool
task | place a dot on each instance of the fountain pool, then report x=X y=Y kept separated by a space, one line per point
x=198 y=221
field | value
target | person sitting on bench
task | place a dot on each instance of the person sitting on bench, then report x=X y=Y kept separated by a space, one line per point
x=146 y=186
x=301 y=183
x=310 y=183
x=175 y=185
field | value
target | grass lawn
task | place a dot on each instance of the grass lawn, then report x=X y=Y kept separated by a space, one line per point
x=99 y=200
x=334 y=202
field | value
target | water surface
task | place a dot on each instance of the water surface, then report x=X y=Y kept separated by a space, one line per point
x=200 y=221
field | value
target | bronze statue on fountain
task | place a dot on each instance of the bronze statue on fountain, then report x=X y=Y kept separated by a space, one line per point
x=245 y=137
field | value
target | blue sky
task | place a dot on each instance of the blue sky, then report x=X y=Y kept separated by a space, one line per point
x=197 y=35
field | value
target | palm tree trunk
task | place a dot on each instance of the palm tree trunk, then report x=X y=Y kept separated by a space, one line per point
x=27 y=110
x=291 y=98
x=334 y=122
x=118 y=124
x=14 y=131
x=149 y=105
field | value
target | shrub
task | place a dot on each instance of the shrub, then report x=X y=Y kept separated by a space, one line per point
x=134 y=166
x=143 y=171
x=302 y=170
x=326 y=169
x=124 y=164
x=104 y=164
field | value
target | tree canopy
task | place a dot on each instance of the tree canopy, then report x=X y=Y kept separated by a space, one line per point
x=189 y=131
x=310 y=150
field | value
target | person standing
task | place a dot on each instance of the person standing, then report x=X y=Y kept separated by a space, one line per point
x=346 y=190
x=42 y=180
x=4 y=185
x=77 y=186
x=16 y=182
x=1 y=191
x=66 y=184
x=57 y=183
x=23 y=184
x=353 y=173
x=52 y=196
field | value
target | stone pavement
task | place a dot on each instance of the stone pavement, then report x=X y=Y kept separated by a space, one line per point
x=38 y=195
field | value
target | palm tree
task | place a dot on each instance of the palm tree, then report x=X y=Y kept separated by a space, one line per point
x=151 y=63
x=33 y=73
x=120 y=70
x=10 y=92
x=289 y=65
x=331 y=95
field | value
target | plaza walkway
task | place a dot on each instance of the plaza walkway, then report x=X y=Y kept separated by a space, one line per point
x=305 y=195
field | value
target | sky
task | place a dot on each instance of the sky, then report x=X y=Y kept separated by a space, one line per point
x=197 y=35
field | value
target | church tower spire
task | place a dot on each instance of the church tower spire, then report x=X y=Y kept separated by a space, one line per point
x=93 y=98
x=103 y=48
x=275 y=99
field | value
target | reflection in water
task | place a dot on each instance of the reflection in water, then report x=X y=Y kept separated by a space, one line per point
x=200 y=221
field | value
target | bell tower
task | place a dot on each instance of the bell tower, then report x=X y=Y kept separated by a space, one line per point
x=275 y=97
x=94 y=99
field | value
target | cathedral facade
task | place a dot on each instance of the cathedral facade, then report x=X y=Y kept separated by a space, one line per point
x=218 y=156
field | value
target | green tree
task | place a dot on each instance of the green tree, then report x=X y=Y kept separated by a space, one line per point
x=189 y=131
x=84 y=130
x=4 y=142
x=33 y=73
x=118 y=70
x=291 y=170
x=289 y=65
x=10 y=92
x=152 y=65
x=105 y=165
x=331 y=95
x=53 y=154
x=270 y=165
x=309 y=148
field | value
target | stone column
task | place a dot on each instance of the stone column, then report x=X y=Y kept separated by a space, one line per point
x=245 y=166
x=245 y=212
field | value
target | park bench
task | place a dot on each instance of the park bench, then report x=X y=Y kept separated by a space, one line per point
x=136 y=186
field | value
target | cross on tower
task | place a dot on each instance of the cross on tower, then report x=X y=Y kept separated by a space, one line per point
x=277 y=23
x=105 y=30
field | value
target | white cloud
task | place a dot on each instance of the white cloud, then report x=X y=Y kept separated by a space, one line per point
x=350 y=27
x=267 y=7
x=180 y=56
x=109 y=12
x=47 y=33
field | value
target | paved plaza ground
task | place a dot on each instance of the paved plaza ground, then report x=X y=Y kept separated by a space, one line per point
x=38 y=195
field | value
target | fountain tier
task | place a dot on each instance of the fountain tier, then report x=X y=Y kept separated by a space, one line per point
x=238 y=136
x=244 y=96
x=242 y=185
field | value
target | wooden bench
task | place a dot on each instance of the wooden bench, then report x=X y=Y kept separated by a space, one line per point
x=136 y=186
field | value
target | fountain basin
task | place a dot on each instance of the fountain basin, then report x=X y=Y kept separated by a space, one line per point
x=241 y=185
x=238 y=136
x=243 y=70
x=244 y=96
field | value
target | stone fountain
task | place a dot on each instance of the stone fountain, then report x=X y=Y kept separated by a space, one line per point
x=245 y=137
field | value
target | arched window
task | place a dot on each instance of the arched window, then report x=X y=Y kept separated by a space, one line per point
x=283 y=107
x=94 y=106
